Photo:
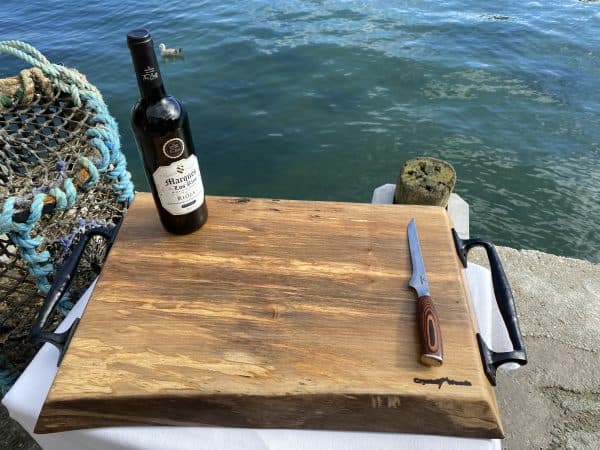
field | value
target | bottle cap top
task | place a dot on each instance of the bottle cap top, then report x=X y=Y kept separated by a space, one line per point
x=139 y=36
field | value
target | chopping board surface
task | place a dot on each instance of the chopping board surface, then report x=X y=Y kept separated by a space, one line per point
x=276 y=313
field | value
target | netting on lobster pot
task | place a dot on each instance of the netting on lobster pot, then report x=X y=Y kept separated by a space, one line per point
x=62 y=172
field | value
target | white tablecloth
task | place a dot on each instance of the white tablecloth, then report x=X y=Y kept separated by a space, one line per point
x=25 y=399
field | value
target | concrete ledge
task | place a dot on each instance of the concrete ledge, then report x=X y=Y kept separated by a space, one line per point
x=458 y=209
x=554 y=401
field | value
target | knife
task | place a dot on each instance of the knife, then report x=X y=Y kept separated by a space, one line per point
x=429 y=326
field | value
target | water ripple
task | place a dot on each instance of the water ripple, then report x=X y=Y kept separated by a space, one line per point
x=327 y=100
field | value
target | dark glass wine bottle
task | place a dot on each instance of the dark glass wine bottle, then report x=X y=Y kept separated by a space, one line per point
x=161 y=128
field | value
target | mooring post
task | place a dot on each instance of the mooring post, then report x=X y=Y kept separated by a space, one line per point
x=425 y=181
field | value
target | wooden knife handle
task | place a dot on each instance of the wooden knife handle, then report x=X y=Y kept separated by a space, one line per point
x=431 y=337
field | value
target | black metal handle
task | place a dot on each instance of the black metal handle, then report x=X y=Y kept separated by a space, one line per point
x=60 y=286
x=492 y=360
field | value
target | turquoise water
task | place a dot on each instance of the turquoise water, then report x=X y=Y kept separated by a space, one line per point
x=326 y=100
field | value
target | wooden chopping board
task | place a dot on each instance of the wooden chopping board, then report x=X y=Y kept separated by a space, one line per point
x=277 y=313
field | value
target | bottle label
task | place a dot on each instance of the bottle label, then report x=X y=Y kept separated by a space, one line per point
x=173 y=148
x=179 y=186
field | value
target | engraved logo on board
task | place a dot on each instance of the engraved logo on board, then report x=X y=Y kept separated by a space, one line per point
x=442 y=380
x=173 y=148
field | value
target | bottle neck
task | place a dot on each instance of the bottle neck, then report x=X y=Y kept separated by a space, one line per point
x=147 y=71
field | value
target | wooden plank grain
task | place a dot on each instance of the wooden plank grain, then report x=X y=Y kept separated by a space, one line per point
x=277 y=313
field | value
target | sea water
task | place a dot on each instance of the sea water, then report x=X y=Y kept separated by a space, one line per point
x=326 y=100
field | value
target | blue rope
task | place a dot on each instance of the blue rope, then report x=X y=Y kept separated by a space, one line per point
x=104 y=136
x=6 y=217
x=19 y=234
x=65 y=304
x=60 y=198
x=92 y=171
x=70 y=191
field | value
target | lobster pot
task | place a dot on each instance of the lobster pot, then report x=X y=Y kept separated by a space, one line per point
x=62 y=173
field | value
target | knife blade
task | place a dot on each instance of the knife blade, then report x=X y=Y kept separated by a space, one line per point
x=429 y=326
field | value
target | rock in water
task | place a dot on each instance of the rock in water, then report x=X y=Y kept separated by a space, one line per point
x=425 y=181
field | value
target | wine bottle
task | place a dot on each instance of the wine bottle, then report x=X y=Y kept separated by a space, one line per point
x=162 y=132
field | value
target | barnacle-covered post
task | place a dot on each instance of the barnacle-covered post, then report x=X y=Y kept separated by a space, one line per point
x=425 y=181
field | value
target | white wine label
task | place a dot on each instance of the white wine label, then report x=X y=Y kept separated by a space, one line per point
x=179 y=186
